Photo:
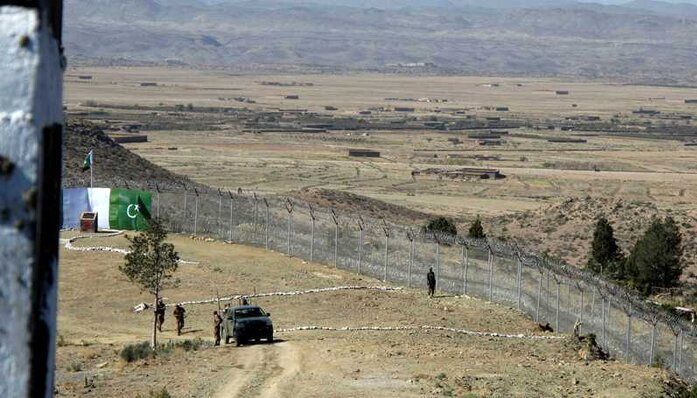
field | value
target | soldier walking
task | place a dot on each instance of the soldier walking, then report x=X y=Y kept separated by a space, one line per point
x=431 y=280
x=179 y=313
x=160 y=313
x=217 y=321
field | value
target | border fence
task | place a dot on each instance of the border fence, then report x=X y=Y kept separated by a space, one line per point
x=625 y=324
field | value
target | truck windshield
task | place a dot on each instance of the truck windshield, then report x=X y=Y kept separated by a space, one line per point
x=249 y=312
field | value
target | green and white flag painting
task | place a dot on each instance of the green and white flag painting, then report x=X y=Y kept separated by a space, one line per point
x=116 y=208
x=87 y=163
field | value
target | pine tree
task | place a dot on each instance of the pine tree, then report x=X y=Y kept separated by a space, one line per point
x=655 y=260
x=605 y=256
x=476 y=230
x=151 y=264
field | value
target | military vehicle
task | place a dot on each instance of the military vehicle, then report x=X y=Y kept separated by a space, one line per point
x=246 y=323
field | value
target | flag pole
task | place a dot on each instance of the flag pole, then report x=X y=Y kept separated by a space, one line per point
x=91 y=166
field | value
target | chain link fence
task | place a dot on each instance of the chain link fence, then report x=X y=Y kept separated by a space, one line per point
x=624 y=324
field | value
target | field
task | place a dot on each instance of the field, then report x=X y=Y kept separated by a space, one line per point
x=196 y=127
x=96 y=321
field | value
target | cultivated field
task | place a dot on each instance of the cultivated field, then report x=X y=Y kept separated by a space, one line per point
x=219 y=148
x=95 y=322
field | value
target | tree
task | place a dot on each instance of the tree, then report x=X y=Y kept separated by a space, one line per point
x=476 y=230
x=655 y=260
x=151 y=264
x=441 y=225
x=605 y=255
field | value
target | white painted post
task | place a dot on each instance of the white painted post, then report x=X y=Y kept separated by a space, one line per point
x=31 y=135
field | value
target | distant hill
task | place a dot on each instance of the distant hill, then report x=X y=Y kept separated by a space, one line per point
x=641 y=41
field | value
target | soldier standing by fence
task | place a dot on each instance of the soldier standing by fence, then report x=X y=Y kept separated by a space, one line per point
x=160 y=312
x=431 y=280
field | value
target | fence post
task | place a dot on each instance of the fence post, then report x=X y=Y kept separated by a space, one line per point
x=231 y=212
x=220 y=212
x=266 y=221
x=580 y=312
x=556 y=317
x=675 y=353
x=592 y=305
x=520 y=281
x=386 y=230
x=336 y=237
x=680 y=352
x=361 y=226
x=491 y=274
x=410 y=236
x=196 y=212
x=653 y=342
x=628 y=338
x=289 y=209
x=186 y=210
x=604 y=323
x=465 y=263
x=547 y=302
x=312 y=233
x=539 y=297
x=157 y=201
x=254 y=215
x=435 y=239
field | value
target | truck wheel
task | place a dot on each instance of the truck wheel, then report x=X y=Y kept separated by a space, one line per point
x=269 y=337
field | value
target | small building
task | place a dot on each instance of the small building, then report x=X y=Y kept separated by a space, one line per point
x=691 y=101
x=562 y=92
x=148 y=84
x=501 y=109
x=330 y=108
x=292 y=97
x=363 y=153
x=89 y=77
x=461 y=173
x=490 y=142
x=403 y=109
x=567 y=140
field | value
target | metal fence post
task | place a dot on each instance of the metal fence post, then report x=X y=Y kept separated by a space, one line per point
x=675 y=352
x=410 y=236
x=539 y=297
x=386 y=230
x=580 y=311
x=361 y=227
x=157 y=201
x=680 y=351
x=231 y=213
x=289 y=209
x=220 y=212
x=556 y=317
x=336 y=237
x=491 y=275
x=604 y=316
x=186 y=210
x=520 y=282
x=653 y=343
x=628 y=339
x=435 y=239
x=312 y=233
x=266 y=221
x=196 y=212
x=255 y=225
x=547 y=302
x=465 y=264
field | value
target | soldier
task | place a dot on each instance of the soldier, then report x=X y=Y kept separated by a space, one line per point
x=217 y=321
x=160 y=313
x=431 y=279
x=179 y=313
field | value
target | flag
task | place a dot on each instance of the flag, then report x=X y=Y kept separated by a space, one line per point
x=87 y=163
x=129 y=209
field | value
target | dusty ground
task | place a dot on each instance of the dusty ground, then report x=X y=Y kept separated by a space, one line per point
x=95 y=322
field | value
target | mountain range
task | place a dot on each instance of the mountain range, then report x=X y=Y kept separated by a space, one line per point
x=641 y=41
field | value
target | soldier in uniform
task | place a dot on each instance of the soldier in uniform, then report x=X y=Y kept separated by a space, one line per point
x=217 y=321
x=431 y=280
x=160 y=313
x=179 y=313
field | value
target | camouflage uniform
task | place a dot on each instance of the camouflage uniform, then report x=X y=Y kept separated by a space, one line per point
x=178 y=313
x=431 y=280
x=160 y=313
x=217 y=321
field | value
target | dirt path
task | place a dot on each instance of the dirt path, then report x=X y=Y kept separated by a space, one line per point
x=263 y=370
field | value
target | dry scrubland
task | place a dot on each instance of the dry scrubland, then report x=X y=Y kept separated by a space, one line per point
x=95 y=322
x=531 y=204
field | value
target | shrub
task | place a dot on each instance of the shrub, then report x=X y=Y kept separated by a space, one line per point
x=134 y=352
x=157 y=394
x=476 y=229
x=441 y=225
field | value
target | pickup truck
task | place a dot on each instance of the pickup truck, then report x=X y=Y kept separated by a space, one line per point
x=246 y=323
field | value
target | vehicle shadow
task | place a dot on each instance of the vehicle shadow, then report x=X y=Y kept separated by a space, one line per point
x=261 y=342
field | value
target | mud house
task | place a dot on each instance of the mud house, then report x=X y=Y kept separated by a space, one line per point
x=461 y=173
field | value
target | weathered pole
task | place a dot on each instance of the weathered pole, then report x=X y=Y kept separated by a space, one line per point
x=539 y=298
x=435 y=240
x=157 y=201
x=410 y=237
x=520 y=282
x=289 y=209
x=653 y=343
x=266 y=223
x=361 y=227
x=336 y=238
x=491 y=275
x=312 y=233
x=556 y=317
x=386 y=230
x=628 y=339
x=220 y=212
x=31 y=136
